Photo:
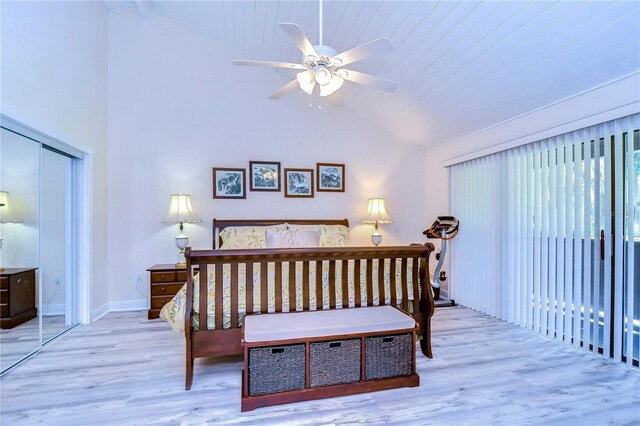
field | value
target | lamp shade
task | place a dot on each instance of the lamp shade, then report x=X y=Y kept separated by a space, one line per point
x=6 y=214
x=180 y=210
x=377 y=212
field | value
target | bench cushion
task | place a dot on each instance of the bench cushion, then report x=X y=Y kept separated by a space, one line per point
x=334 y=322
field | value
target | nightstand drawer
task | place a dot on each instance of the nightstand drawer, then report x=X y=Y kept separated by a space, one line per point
x=165 y=289
x=4 y=282
x=4 y=310
x=157 y=302
x=163 y=277
x=4 y=296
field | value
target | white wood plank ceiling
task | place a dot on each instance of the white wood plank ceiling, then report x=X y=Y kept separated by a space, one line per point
x=462 y=66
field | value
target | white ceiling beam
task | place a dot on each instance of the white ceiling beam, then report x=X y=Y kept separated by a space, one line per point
x=144 y=8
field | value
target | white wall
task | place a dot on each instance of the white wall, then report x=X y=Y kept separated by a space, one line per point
x=177 y=107
x=617 y=99
x=54 y=78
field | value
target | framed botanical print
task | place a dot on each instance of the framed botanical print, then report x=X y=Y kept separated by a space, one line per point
x=330 y=177
x=229 y=183
x=298 y=183
x=264 y=175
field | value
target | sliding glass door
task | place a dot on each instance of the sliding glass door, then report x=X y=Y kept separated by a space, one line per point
x=552 y=237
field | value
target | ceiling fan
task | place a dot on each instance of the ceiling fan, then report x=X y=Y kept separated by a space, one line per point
x=322 y=66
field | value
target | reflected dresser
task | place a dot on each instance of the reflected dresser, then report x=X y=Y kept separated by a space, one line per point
x=17 y=296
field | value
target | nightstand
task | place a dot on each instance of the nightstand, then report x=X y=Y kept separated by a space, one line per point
x=17 y=296
x=165 y=281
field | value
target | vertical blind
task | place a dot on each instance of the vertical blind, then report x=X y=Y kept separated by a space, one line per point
x=550 y=237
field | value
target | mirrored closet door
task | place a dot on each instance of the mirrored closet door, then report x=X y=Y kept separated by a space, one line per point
x=38 y=254
x=20 y=251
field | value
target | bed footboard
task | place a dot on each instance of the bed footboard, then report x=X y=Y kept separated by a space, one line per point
x=405 y=269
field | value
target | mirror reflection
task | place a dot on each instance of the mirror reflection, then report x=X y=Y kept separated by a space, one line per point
x=20 y=251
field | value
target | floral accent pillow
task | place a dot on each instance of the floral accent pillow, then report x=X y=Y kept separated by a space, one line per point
x=246 y=237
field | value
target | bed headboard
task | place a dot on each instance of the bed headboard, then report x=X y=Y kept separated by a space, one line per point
x=219 y=225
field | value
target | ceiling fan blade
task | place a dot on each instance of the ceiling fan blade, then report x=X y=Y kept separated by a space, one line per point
x=368 y=80
x=269 y=64
x=335 y=100
x=284 y=89
x=364 y=51
x=297 y=35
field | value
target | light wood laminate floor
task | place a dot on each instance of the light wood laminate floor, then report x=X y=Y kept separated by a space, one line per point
x=124 y=369
x=19 y=341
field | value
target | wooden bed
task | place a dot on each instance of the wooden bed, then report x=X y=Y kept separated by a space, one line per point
x=227 y=341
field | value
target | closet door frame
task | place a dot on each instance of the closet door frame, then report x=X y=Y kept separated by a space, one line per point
x=82 y=168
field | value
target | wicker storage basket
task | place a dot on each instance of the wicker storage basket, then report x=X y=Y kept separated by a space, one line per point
x=276 y=369
x=388 y=356
x=335 y=362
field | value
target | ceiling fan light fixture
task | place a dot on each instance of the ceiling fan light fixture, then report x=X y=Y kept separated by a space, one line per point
x=334 y=85
x=306 y=81
x=323 y=75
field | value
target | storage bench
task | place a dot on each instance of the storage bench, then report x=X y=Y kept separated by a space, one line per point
x=299 y=356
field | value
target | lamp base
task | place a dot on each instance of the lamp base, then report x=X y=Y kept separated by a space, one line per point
x=1 y=269
x=182 y=241
x=376 y=238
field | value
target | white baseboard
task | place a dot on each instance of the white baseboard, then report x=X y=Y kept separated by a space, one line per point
x=124 y=305
x=55 y=309
x=98 y=313
x=129 y=305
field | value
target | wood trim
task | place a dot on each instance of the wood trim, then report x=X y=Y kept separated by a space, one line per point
x=252 y=402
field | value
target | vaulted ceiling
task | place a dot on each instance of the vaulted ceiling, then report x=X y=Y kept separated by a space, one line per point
x=462 y=66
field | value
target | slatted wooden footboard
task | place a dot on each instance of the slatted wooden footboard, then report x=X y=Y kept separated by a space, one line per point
x=225 y=339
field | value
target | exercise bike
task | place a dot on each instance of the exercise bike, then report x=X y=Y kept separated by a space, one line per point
x=444 y=228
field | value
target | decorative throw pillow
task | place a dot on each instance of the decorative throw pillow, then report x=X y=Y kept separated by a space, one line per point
x=335 y=236
x=246 y=237
x=291 y=239
x=330 y=235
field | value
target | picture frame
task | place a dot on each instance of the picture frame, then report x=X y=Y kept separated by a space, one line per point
x=298 y=183
x=229 y=183
x=264 y=176
x=330 y=177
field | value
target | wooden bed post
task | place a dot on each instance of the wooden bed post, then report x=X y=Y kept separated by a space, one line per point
x=427 y=303
x=187 y=321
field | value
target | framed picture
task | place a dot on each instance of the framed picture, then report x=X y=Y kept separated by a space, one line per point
x=330 y=177
x=298 y=183
x=229 y=183
x=264 y=175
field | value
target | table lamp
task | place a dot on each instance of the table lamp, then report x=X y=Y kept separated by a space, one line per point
x=376 y=214
x=180 y=211
x=6 y=214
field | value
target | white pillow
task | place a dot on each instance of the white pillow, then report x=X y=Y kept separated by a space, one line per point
x=330 y=235
x=291 y=239
x=245 y=237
